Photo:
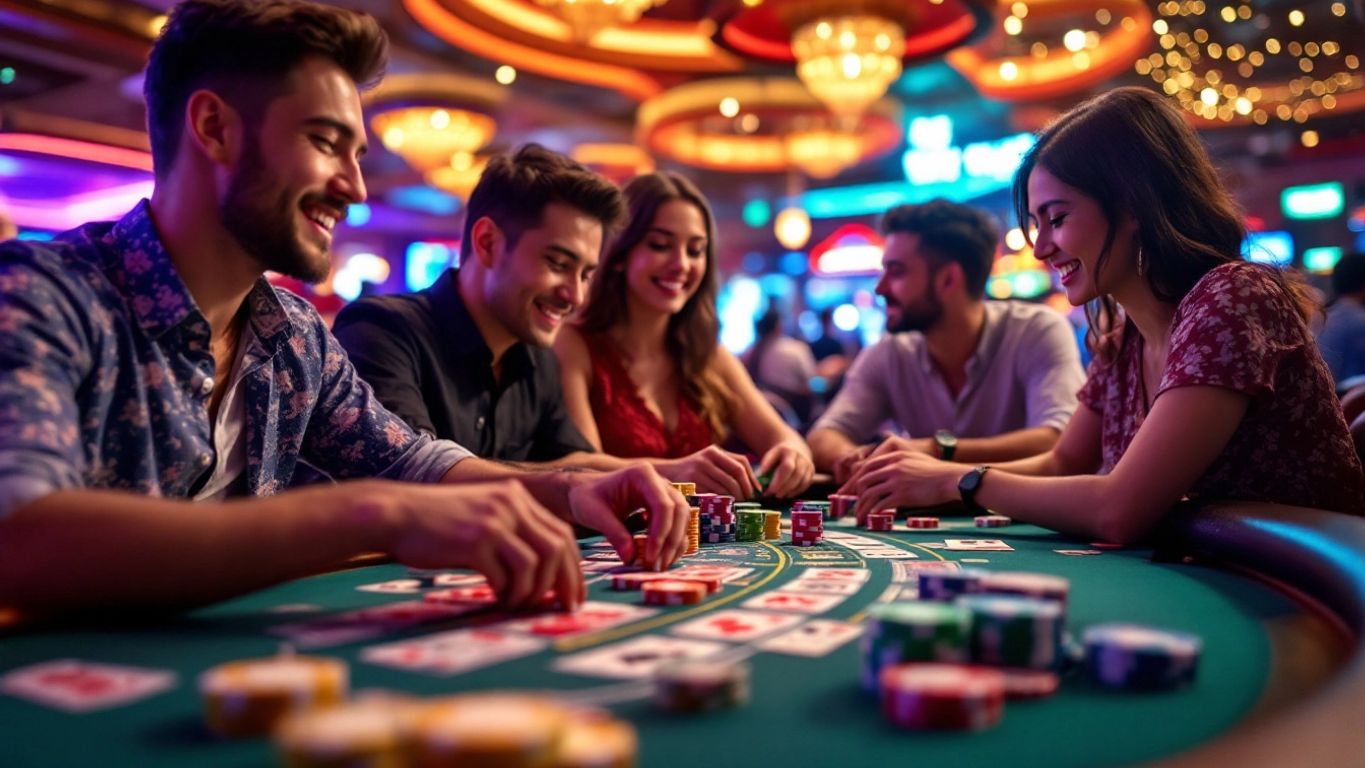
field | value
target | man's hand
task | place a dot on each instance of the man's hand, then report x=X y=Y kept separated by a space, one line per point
x=714 y=471
x=903 y=479
x=790 y=467
x=848 y=463
x=895 y=443
x=602 y=501
x=497 y=529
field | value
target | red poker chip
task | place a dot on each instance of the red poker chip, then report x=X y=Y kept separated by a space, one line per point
x=674 y=592
x=926 y=696
x=1030 y=683
x=992 y=521
x=624 y=582
x=921 y=522
x=712 y=583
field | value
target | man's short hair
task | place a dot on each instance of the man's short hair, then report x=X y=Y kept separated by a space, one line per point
x=1348 y=277
x=244 y=51
x=516 y=187
x=950 y=232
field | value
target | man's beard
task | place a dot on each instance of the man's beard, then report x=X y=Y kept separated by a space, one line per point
x=920 y=316
x=259 y=215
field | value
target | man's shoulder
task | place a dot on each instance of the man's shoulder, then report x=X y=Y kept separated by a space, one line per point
x=1027 y=320
x=396 y=313
x=72 y=263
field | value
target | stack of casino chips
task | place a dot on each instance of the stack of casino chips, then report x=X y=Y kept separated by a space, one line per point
x=947 y=585
x=772 y=524
x=825 y=507
x=942 y=696
x=912 y=631
x=700 y=685
x=1140 y=658
x=717 y=522
x=884 y=520
x=686 y=489
x=673 y=592
x=1039 y=585
x=1013 y=631
x=992 y=521
x=751 y=524
x=369 y=731
x=693 y=531
x=842 y=505
x=921 y=522
x=249 y=697
x=808 y=527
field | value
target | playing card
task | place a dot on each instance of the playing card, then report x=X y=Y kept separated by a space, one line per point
x=450 y=653
x=1078 y=552
x=903 y=571
x=977 y=545
x=821 y=586
x=858 y=575
x=816 y=637
x=793 y=602
x=458 y=580
x=591 y=617
x=888 y=554
x=736 y=625
x=635 y=658
x=78 y=686
x=367 y=623
x=727 y=574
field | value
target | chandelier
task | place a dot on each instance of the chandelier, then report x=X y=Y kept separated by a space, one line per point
x=428 y=137
x=588 y=17
x=1222 y=62
x=848 y=62
x=823 y=152
x=459 y=176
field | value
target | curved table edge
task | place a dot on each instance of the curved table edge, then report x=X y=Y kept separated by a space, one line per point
x=1321 y=554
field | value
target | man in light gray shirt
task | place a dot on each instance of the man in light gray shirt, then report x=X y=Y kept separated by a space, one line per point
x=964 y=378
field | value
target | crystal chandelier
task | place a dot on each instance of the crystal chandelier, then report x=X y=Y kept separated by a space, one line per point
x=588 y=17
x=428 y=137
x=848 y=62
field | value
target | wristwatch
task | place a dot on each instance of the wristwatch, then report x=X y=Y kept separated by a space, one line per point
x=969 y=485
x=947 y=444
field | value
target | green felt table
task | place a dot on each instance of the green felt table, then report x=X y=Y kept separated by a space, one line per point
x=1263 y=651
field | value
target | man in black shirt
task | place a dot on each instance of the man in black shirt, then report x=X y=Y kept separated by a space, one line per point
x=468 y=359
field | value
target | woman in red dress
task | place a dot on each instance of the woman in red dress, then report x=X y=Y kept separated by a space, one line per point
x=1211 y=387
x=643 y=372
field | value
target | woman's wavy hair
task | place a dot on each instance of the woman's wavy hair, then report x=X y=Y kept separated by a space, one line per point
x=1132 y=153
x=694 y=331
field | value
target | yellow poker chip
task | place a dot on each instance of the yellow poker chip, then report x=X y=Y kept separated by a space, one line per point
x=593 y=739
x=371 y=732
x=249 y=697
x=493 y=729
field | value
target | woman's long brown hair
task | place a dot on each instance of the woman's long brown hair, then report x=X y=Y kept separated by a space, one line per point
x=693 y=332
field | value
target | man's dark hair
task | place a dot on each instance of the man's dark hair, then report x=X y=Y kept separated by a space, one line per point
x=516 y=187
x=950 y=232
x=1348 y=278
x=244 y=51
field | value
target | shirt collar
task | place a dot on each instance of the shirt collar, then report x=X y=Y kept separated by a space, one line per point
x=458 y=326
x=160 y=299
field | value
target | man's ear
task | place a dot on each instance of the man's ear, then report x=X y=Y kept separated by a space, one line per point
x=214 y=127
x=487 y=239
x=948 y=278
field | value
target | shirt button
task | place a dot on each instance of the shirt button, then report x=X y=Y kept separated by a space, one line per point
x=206 y=386
x=205 y=459
x=479 y=424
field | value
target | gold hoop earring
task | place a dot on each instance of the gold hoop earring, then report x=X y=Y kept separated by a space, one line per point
x=1141 y=263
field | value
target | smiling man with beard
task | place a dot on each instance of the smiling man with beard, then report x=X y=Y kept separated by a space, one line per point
x=962 y=377
x=149 y=373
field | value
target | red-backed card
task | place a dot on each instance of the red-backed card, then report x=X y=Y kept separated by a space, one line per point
x=83 y=686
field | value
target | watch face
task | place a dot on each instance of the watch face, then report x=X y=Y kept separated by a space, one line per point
x=969 y=481
x=945 y=438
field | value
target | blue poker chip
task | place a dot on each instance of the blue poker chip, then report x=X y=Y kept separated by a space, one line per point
x=1136 y=657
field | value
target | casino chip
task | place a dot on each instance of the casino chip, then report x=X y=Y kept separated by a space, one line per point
x=369 y=732
x=673 y=592
x=700 y=685
x=249 y=697
x=942 y=696
x=489 y=729
x=921 y=522
x=594 y=739
x=992 y=521
x=1135 y=657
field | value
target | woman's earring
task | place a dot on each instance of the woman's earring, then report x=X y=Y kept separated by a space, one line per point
x=1141 y=263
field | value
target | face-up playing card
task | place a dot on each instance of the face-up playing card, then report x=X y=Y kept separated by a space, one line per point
x=816 y=637
x=793 y=602
x=858 y=575
x=902 y=571
x=737 y=626
x=821 y=587
x=727 y=574
x=977 y=545
x=591 y=617
x=888 y=554
x=1078 y=552
x=368 y=623
x=450 y=653
x=637 y=657
x=77 y=686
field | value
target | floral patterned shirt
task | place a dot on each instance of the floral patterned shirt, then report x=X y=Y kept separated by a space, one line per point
x=1238 y=329
x=106 y=375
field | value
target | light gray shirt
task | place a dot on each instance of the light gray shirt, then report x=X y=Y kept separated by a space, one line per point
x=1025 y=373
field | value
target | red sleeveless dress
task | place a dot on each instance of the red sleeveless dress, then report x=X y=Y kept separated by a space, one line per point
x=627 y=427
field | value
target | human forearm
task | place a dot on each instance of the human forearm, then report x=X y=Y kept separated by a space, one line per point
x=828 y=446
x=1022 y=443
x=108 y=550
x=549 y=485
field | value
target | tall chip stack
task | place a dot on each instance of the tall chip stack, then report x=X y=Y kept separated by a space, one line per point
x=842 y=505
x=913 y=631
x=1011 y=631
x=750 y=524
x=693 y=531
x=717 y=524
x=808 y=527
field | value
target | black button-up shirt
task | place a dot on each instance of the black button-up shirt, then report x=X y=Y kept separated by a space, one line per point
x=429 y=364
